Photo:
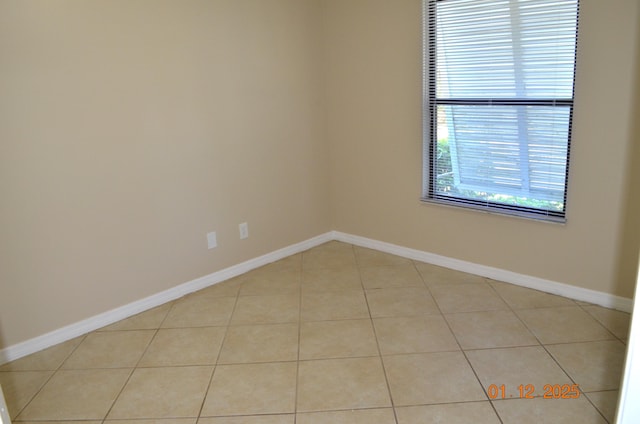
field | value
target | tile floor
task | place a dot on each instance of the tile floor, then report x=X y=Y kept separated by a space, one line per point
x=337 y=334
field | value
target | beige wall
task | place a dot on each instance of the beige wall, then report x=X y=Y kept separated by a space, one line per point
x=373 y=64
x=629 y=246
x=131 y=128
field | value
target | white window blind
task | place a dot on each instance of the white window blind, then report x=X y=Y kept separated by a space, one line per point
x=499 y=78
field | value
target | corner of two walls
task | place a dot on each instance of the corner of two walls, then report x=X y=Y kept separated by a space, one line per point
x=373 y=55
x=629 y=232
x=131 y=129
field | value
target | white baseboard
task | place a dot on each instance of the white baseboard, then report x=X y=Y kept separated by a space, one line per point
x=69 y=332
x=548 y=286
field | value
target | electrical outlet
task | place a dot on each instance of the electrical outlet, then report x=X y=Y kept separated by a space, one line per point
x=212 y=240
x=244 y=230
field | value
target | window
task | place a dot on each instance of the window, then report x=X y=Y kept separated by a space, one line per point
x=499 y=78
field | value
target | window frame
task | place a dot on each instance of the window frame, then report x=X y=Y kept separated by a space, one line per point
x=430 y=134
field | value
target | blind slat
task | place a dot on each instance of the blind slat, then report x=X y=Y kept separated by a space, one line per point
x=499 y=100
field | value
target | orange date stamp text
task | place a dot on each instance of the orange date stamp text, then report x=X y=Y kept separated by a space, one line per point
x=527 y=391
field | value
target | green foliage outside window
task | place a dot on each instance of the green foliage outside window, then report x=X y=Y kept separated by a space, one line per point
x=445 y=183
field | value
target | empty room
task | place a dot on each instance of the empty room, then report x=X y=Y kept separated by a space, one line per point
x=318 y=211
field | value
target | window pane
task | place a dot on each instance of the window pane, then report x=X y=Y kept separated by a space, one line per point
x=505 y=48
x=504 y=154
x=500 y=96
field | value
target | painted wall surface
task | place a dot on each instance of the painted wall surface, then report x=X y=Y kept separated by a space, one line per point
x=629 y=246
x=131 y=128
x=374 y=74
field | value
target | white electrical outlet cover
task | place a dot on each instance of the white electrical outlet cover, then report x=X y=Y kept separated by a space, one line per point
x=212 y=241
x=244 y=230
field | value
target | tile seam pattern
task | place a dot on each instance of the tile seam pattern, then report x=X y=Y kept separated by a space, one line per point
x=300 y=264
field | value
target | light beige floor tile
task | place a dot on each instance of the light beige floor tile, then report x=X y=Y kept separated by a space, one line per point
x=524 y=298
x=615 y=321
x=154 y=421
x=343 y=262
x=148 y=320
x=434 y=275
x=353 y=416
x=329 y=255
x=262 y=282
x=398 y=302
x=293 y=262
x=321 y=280
x=334 y=305
x=605 y=402
x=276 y=309
x=260 y=343
x=200 y=310
x=595 y=366
x=489 y=329
x=47 y=359
x=427 y=378
x=369 y=257
x=253 y=419
x=563 y=325
x=274 y=268
x=451 y=413
x=429 y=333
x=250 y=389
x=19 y=387
x=337 y=339
x=385 y=277
x=65 y=422
x=110 y=349
x=228 y=288
x=331 y=384
x=422 y=358
x=184 y=346
x=467 y=297
x=76 y=395
x=333 y=246
x=548 y=411
x=513 y=367
x=168 y=392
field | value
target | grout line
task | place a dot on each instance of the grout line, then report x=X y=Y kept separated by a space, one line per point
x=438 y=307
x=136 y=366
x=359 y=267
x=375 y=334
x=53 y=373
x=544 y=347
x=295 y=396
x=495 y=411
x=594 y=405
x=582 y=307
x=215 y=365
